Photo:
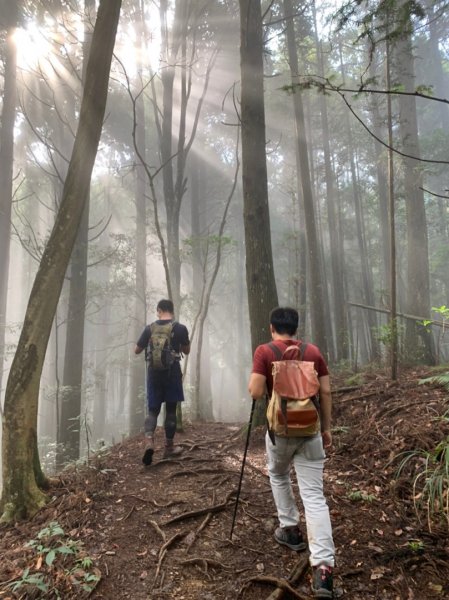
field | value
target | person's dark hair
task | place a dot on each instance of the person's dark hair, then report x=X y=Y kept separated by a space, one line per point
x=165 y=306
x=284 y=320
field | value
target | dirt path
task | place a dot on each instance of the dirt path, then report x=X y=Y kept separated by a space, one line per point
x=163 y=532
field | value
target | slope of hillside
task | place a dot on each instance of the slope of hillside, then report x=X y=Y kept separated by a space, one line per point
x=162 y=532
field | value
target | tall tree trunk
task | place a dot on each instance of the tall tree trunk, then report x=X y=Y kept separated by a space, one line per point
x=6 y=169
x=382 y=182
x=137 y=402
x=170 y=51
x=418 y=292
x=440 y=180
x=365 y=266
x=260 y=281
x=392 y=226
x=317 y=289
x=70 y=416
x=336 y=259
x=21 y=496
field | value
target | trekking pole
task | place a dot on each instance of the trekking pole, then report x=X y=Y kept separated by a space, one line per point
x=145 y=410
x=243 y=467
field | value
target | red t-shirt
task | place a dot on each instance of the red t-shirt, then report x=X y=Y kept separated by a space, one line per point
x=264 y=356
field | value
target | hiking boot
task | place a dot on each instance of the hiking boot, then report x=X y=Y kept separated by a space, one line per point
x=322 y=582
x=147 y=458
x=170 y=450
x=290 y=537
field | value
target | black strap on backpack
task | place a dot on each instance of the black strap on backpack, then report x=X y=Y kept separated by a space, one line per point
x=279 y=354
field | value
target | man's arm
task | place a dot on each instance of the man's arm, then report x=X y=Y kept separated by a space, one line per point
x=257 y=385
x=138 y=349
x=185 y=349
x=326 y=410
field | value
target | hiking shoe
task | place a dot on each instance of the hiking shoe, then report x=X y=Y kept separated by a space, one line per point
x=290 y=537
x=147 y=458
x=322 y=582
x=171 y=451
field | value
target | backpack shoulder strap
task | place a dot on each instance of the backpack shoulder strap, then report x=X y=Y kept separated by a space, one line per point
x=302 y=350
x=293 y=350
x=276 y=351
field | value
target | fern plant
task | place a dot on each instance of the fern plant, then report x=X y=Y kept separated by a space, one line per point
x=442 y=380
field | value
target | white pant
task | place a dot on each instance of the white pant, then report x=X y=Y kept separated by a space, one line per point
x=307 y=455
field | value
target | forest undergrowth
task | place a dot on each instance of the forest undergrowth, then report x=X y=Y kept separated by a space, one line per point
x=114 y=529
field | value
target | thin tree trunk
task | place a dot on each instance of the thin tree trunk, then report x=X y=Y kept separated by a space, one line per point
x=137 y=373
x=382 y=184
x=392 y=227
x=6 y=169
x=170 y=51
x=366 y=272
x=317 y=290
x=21 y=496
x=70 y=417
x=338 y=297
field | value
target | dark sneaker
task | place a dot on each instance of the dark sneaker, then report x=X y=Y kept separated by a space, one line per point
x=290 y=537
x=171 y=451
x=147 y=458
x=322 y=582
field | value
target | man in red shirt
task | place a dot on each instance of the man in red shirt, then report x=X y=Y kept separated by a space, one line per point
x=305 y=453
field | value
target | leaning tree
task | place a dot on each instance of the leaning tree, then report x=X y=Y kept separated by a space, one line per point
x=22 y=475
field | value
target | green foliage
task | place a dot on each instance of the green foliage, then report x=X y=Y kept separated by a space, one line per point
x=385 y=333
x=62 y=564
x=340 y=429
x=388 y=19
x=442 y=380
x=416 y=546
x=27 y=580
x=359 y=496
x=356 y=379
x=430 y=481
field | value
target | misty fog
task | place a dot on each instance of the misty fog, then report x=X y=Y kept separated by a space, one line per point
x=152 y=204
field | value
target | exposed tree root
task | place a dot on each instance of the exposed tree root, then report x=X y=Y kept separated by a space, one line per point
x=201 y=511
x=282 y=585
x=198 y=531
x=163 y=552
x=297 y=573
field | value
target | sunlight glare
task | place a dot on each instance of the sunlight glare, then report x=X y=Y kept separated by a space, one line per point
x=32 y=46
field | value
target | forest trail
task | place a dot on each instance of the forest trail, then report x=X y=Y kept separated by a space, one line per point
x=162 y=532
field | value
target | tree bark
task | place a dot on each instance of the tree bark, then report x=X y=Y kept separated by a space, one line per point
x=418 y=287
x=21 y=496
x=70 y=425
x=337 y=260
x=382 y=181
x=260 y=281
x=6 y=169
x=137 y=387
x=261 y=286
x=373 y=350
x=170 y=50
x=317 y=289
